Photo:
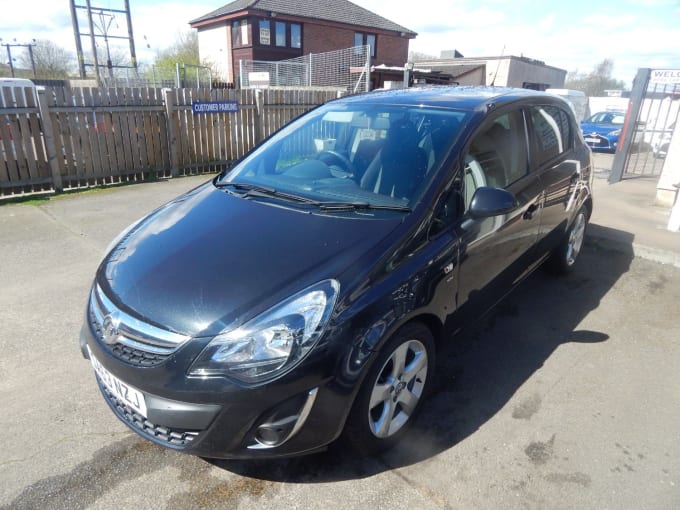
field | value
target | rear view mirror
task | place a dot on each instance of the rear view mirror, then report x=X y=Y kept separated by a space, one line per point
x=487 y=202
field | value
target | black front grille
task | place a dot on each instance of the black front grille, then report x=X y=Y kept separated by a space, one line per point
x=178 y=438
x=127 y=337
x=126 y=353
x=135 y=356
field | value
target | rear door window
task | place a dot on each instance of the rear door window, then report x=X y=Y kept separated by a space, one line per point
x=552 y=133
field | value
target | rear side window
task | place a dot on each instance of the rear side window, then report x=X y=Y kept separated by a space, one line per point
x=552 y=132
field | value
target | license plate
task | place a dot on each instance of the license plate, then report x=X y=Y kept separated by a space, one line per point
x=124 y=392
x=592 y=140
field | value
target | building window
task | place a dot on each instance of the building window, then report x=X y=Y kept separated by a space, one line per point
x=235 y=33
x=280 y=33
x=370 y=40
x=362 y=39
x=535 y=86
x=239 y=33
x=295 y=35
x=265 y=34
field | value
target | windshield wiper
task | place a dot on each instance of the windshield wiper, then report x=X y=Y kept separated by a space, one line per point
x=359 y=206
x=255 y=190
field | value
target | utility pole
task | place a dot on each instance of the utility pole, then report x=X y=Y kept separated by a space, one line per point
x=101 y=29
x=9 y=59
x=9 y=47
x=133 y=54
x=79 y=43
x=93 y=41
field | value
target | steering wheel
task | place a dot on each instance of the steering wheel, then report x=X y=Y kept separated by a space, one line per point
x=343 y=160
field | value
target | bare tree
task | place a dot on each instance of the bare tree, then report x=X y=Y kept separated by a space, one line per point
x=52 y=62
x=595 y=82
x=417 y=56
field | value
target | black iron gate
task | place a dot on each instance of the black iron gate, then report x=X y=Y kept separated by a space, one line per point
x=650 y=122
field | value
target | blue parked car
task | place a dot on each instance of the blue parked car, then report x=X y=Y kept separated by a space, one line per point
x=602 y=131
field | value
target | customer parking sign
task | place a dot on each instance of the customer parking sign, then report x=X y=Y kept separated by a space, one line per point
x=199 y=107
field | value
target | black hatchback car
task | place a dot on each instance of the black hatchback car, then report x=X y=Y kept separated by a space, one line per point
x=304 y=292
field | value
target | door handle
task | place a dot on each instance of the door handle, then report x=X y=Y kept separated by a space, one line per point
x=529 y=213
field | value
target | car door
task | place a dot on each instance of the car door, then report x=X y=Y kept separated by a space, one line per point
x=497 y=251
x=557 y=163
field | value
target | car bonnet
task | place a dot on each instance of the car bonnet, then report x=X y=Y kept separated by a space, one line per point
x=209 y=260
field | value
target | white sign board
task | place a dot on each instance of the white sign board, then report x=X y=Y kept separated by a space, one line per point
x=258 y=79
x=667 y=76
x=265 y=38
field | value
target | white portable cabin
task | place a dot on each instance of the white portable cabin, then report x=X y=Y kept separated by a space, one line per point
x=577 y=99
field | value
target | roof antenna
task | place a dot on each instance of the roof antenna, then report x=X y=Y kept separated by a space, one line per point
x=497 y=66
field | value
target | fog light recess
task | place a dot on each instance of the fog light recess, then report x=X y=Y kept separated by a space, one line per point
x=283 y=422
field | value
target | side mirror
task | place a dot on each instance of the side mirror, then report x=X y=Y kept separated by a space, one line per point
x=487 y=202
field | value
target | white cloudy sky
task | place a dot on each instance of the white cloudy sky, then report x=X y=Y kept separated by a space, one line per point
x=570 y=34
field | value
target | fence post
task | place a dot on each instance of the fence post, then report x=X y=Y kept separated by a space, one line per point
x=48 y=134
x=368 y=68
x=310 y=70
x=637 y=96
x=168 y=98
x=259 y=115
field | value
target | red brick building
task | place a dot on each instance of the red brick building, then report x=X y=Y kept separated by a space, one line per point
x=283 y=29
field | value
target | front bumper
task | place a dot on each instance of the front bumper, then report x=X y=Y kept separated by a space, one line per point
x=212 y=417
x=600 y=142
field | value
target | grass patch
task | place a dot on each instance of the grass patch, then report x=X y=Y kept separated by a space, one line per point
x=40 y=198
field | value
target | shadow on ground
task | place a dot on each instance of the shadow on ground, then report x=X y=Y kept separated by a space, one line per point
x=481 y=369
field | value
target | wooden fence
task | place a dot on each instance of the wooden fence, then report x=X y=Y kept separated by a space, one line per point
x=70 y=138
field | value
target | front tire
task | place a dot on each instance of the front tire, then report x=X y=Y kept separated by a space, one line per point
x=565 y=256
x=393 y=390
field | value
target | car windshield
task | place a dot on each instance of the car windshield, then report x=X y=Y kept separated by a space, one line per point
x=365 y=156
x=607 y=118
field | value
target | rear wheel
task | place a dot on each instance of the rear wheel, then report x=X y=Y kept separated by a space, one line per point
x=565 y=256
x=393 y=390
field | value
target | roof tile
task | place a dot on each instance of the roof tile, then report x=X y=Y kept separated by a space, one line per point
x=339 y=11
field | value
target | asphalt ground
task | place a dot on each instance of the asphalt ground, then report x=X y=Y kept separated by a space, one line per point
x=566 y=397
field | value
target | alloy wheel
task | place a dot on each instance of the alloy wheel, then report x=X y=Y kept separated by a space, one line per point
x=576 y=237
x=398 y=389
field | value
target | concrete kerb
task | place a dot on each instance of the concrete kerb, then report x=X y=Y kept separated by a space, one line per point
x=627 y=219
x=639 y=250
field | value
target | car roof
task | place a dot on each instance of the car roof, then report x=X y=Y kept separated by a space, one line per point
x=463 y=98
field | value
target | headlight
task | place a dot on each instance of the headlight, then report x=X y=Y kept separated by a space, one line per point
x=616 y=132
x=273 y=342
